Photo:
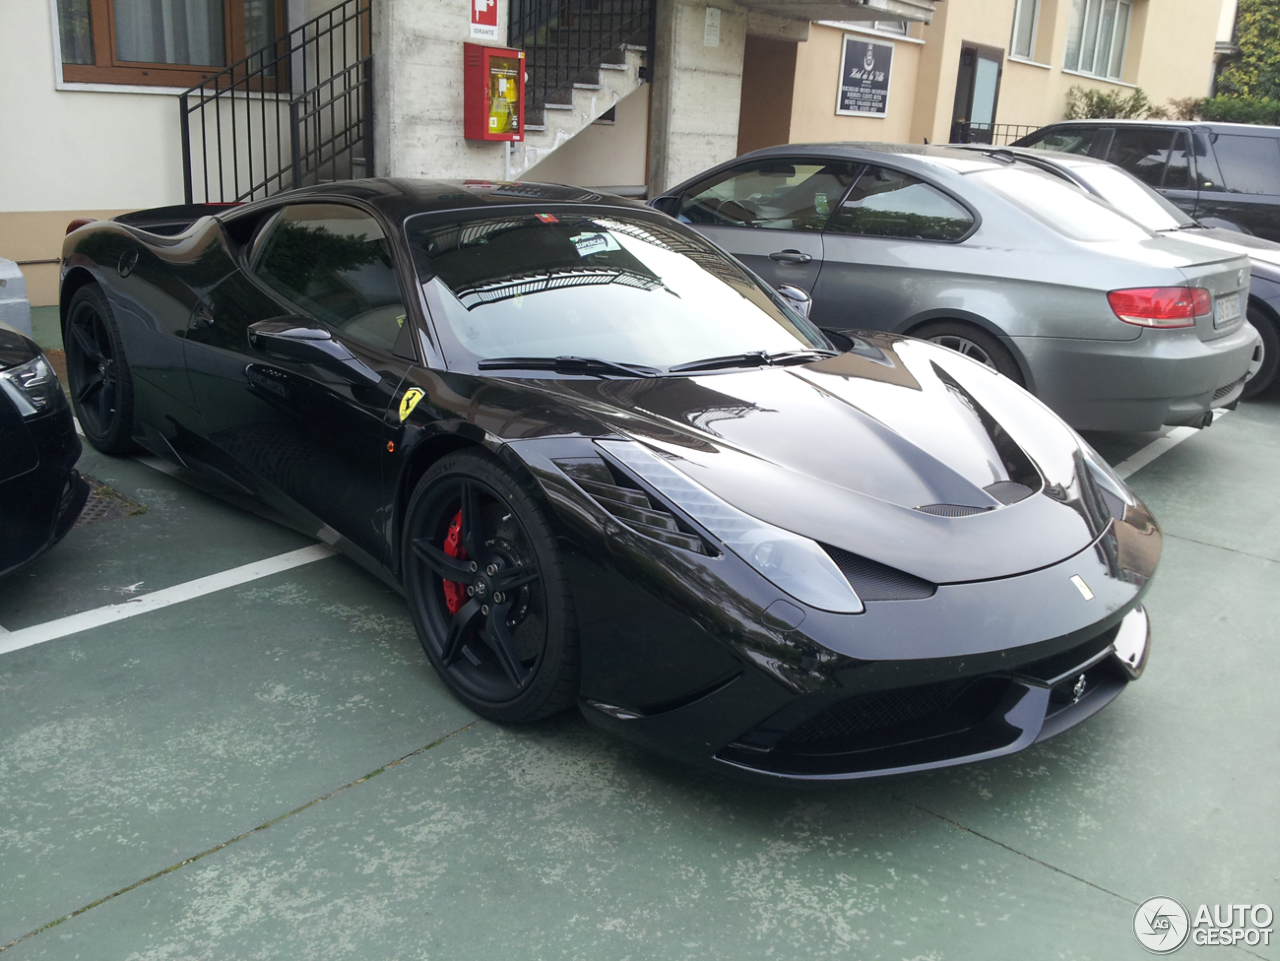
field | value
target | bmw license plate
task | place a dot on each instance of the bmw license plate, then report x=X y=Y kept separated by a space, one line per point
x=1226 y=309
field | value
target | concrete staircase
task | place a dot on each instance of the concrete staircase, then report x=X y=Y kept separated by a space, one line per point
x=574 y=108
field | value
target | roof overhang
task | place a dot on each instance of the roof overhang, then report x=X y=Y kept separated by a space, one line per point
x=845 y=10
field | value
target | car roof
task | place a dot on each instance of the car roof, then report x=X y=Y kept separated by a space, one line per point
x=919 y=157
x=1245 y=128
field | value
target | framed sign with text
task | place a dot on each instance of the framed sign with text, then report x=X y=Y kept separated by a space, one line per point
x=865 y=66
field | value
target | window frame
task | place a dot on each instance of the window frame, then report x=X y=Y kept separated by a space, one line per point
x=975 y=216
x=107 y=68
x=1018 y=9
x=717 y=177
x=1085 y=6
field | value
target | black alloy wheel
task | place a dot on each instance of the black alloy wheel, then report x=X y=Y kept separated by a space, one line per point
x=487 y=591
x=973 y=343
x=98 y=373
x=1262 y=367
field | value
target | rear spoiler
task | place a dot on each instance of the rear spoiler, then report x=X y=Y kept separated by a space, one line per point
x=168 y=221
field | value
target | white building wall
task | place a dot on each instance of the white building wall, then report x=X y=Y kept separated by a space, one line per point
x=603 y=155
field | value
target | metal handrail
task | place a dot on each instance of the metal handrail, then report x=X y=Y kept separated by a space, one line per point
x=995 y=134
x=253 y=113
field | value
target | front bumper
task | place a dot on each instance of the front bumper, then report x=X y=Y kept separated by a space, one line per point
x=39 y=505
x=1163 y=377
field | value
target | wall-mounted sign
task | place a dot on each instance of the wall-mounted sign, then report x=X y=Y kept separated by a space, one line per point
x=484 y=19
x=865 y=66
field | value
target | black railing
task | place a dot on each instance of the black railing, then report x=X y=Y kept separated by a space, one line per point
x=996 y=134
x=296 y=112
x=565 y=41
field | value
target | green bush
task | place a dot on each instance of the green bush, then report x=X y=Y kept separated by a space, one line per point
x=1087 y=104
x=1224 y=109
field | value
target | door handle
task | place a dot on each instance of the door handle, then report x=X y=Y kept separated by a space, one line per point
x=202 y=317
x=790 y=256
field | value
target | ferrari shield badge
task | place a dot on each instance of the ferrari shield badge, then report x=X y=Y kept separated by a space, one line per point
x=408 y=402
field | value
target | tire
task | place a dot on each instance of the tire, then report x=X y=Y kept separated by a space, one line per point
x=1266 y=356
x=974 y=343
x=511 y=661
x=98 y=375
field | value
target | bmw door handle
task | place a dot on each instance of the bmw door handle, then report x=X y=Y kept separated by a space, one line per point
x=790 y=256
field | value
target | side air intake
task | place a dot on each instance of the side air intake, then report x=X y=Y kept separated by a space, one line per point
x=873 y=581
x=630 y=505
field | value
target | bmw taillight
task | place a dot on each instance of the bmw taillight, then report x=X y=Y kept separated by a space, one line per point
x=1161 y=306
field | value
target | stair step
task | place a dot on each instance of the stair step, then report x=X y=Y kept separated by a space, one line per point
x=587 y=86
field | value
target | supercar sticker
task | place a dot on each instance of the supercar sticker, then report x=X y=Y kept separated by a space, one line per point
x=408 y=402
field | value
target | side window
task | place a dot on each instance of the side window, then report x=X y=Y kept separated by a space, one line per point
x=886 y=203
x=335 y=263
x=1066 y=140
x=1143 y=151
x=1250 y=165
x=1177 y=175
x=771 y=194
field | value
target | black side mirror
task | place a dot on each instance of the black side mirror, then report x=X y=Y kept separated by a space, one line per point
x=668 y=205
x=302 y=339
x=797 y=298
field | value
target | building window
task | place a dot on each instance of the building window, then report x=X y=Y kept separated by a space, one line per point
x=1097 y=36
x=170 y=43
x=890 y=26
x=1026 y=14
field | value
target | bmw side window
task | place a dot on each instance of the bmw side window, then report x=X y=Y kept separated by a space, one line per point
x=887 y=203
x=773 y=195
x=336 y=264
x=1250 y=165
x=1076 y=140
x=1143 y=151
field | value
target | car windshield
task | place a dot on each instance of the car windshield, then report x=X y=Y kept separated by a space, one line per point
x=1132 y=197
x=1060 y=205
x=606 y=286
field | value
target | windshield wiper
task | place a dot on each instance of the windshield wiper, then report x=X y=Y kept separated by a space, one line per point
x=568 y=365
x=755 y=358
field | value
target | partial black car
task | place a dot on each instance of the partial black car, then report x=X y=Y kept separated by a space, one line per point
x=1222 y=174
x=608 y=467
x=41 y=493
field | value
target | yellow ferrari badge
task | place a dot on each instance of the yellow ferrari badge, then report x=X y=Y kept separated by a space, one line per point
x=408 y=402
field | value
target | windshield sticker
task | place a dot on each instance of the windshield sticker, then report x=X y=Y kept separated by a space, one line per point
x=594 y=243
x=548 y=218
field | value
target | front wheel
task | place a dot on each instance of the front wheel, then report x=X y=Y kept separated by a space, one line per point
x=1266 y=356
x=975 y=344
x=488 y=592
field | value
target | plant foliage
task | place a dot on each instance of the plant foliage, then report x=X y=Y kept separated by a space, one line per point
x=1086 y=104
x=1255 y=71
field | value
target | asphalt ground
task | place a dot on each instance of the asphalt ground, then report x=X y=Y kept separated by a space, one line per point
x=272 y=770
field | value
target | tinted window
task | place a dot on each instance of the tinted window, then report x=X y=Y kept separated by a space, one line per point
x=1065 y=139
x=1059 y=205
x=886 y=203
x=1143 y=151
x=1250 y=165
x=335 y=263
x=1177 y=176
x=773 y=194
x=613 y=287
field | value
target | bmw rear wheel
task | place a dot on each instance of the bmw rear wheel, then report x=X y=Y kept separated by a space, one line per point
x=975 y=344
x=488 y=592
x=98 y=375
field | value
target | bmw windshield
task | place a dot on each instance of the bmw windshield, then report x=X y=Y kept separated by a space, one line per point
x=599 y=292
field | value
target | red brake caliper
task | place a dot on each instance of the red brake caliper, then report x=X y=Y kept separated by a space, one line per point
x=455 y=594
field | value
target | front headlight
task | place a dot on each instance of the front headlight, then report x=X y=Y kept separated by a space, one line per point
x=795 y=564
x=33 y=386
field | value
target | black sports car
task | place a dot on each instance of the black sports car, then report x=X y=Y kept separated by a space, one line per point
x=608 y=466
x=41 y=493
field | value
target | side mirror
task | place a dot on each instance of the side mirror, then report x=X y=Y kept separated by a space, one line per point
x=668 y=205
x=797 y=298
x=302 y=339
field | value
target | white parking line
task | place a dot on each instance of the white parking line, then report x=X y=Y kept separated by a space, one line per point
x=1163 y=445
x=75 y=623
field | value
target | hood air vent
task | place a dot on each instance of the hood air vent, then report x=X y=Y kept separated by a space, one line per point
x=630 y=505
x=1009 y=492
x=873 y=581
x=951 y=510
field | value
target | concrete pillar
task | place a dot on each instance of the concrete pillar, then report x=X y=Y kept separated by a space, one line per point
x=697 y=89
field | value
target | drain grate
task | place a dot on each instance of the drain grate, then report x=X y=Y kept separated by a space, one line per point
x=105 y=503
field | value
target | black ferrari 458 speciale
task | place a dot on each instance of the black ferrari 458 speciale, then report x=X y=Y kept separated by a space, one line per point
x=607 y=466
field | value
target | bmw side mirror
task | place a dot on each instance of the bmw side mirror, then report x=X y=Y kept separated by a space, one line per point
x=302 y=339
x=667 y=205
x=797 y=298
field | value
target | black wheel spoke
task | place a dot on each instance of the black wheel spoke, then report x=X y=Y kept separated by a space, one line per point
x=88 y=387
x=459 y=627
x=106 y=403
x=450 y=568
x=513 y=577
x=504 y=645
x=86 y=344
x=472 y=535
